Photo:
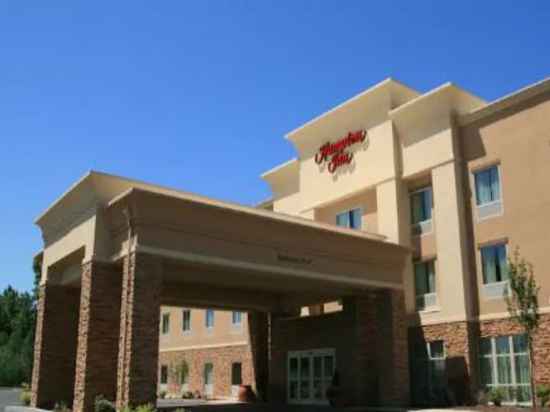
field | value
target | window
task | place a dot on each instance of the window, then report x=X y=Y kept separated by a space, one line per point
x=236 y=318
x=430 y=376
x=488 y=193
x=184 y=375
x=309 y=374
x=350 y=219
x=504 y=363
x=186 y=320
x=493 y=261
x=421 y=205
x=421 y=211
x=163 y=375
x=495 y=272
x=165 y=323
x=424 y=280
x=209 y=379
x=209 y=318
x=236 y=374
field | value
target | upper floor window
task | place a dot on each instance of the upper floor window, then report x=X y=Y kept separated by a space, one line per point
x=495 y=270
x=186 y=320
x=424 y=279
x=165 y=323
x=350 y=219
x=488 y=193
x=236 y=318
x=209 y=318
x=421 y=211
x=494 y=263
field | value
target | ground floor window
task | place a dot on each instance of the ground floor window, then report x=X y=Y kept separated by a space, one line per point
x=209 y=380
x=236 y=378
x=184 y=376
x=309 y=375
x=429 y=373
x=504 y=363
x=163 y=375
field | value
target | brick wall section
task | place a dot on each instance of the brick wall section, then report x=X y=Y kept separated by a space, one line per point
x=458 y=341
x=258 y=331
x=98 y=334
x=221 y=358
x=139 y=330
x=462 y=343
x=55 y=345
x=370 y=340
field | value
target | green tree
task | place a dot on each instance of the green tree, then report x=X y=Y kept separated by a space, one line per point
x=523 y=305
x=17 y=326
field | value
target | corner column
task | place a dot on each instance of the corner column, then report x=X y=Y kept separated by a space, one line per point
x=139 y=331
x=258 y=326
x=395 y=384
x=55 y=345
x=98 y=334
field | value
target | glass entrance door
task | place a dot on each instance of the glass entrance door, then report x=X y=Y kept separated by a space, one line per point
x=309 y=375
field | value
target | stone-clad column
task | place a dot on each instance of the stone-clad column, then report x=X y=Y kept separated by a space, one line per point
x=98 y=334
x=364 y=310
x=139 y=331
x=395 y=384
x=258 y=326
x=55 y=345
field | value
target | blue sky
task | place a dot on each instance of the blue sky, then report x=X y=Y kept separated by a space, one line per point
x=198 y=94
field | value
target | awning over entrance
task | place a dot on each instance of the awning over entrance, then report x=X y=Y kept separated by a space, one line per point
x=268 y=260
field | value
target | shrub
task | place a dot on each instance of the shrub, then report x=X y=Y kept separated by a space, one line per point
x=162 y=394
x=187 y=395
x=25 y=397
x=103 y=405
x=145 y=408
x=543 y=393
x=61 y=407
x=496 y=396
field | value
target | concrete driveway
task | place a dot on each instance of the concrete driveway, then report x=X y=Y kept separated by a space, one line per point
x=9 y=397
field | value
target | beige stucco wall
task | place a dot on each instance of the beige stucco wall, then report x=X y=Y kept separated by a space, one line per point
x=222 y=333
x=366 y=201
x=519 y=140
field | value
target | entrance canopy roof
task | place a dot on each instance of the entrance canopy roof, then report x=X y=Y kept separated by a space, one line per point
x=213 y=245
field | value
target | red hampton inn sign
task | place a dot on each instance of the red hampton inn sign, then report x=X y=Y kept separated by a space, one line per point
x=335 y=153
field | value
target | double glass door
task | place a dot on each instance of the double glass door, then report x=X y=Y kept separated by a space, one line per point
x=309 y=375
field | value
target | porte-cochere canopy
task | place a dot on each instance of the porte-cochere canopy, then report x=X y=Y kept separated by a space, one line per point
x=116 y=249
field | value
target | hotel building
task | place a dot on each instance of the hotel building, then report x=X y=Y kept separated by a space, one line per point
x=379 y=264
x=457 y=180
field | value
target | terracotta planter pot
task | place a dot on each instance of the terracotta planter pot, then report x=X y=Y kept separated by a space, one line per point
x=246 y=394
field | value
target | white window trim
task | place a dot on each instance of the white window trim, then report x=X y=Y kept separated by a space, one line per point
x=504 y=283
x=422 y=223
x=494 y=202
x=493 y=356
x=361 y=211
